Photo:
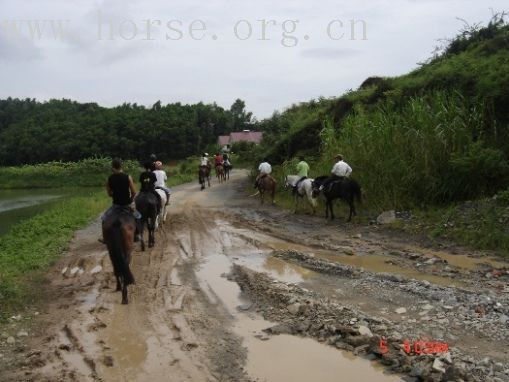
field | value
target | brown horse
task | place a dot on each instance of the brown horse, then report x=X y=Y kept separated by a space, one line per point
x=266 y=184
x=204 y=176
x=220 y=173
x=118 y=232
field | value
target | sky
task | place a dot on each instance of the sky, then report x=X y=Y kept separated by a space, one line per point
x=271 y=54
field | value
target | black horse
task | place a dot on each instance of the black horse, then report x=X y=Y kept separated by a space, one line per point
x=146 y=204
x=118 y=232
x=346 y=189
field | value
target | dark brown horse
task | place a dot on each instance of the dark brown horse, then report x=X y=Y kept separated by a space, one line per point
x=118 y=232
x=147 y=205
x=204 y=176
x=266 y=185
x=346 y=189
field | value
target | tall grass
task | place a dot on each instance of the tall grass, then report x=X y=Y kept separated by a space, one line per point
x=431 y=149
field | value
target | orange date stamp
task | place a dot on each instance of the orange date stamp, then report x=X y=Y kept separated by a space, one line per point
x=417 y=347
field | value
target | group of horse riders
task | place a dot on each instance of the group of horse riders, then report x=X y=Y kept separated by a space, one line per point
x=121 y=224
x=219 y=160
x=340 y=171
x=120 y=187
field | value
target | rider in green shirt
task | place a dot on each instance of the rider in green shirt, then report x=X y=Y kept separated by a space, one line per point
x=302 y=171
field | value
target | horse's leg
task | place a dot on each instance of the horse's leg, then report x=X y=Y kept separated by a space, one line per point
x=326 y=209
x=142 y=229
x=352 y=208
x=332 y=217
x=124 y=292
x=274 y=195
x=151 y=229
x=119 y=286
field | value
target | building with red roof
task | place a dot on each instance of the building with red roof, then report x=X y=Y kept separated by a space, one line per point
x=242 y=136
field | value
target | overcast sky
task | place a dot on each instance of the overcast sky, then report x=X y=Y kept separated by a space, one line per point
x=216 y=51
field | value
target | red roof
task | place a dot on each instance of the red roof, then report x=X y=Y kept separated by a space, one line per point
x=247 y=136
x=241 y=136
x=223 y=140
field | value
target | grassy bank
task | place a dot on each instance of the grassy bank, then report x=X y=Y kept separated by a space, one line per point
x=33 y=245
x=480 y=224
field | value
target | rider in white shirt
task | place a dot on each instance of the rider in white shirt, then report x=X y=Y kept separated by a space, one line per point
x=340 y=170
x=161 y=180
x=204 y=160
x=265 y=169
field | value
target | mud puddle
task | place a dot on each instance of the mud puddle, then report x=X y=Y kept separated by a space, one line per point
x=463 y=261
x=298 y=359
x=372 y=263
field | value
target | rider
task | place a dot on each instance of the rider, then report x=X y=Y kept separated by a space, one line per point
x=120 y=188
x=302 y=172
x=340 y=171
x=265 y=169
x=226 y=161
x=161 y=180
x=218 y=160
x=205 y=162
x=148 y=180
x=153 y=159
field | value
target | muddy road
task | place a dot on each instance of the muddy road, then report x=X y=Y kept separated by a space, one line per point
x=235 y=291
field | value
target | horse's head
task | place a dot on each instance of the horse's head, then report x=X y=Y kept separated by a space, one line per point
x=316 y=184
x=286 y=182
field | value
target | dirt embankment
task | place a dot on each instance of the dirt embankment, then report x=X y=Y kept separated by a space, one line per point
x=231 y=287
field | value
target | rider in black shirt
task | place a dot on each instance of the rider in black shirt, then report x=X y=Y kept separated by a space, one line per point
x=148 y=180
x=120 y=188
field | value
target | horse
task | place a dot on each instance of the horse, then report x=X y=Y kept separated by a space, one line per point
x=204 y=175
x=220 y=173
x=146 y=204
x=227 y=169
x=161 y=217
x=346 y=189
x=266 y=184
x=305 y=189
x=118 y=232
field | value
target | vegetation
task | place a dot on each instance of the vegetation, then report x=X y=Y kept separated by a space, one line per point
x=85 y=173
x=33 y=245
x=62 y=130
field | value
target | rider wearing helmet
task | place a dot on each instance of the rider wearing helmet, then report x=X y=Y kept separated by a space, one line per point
x=161 y=180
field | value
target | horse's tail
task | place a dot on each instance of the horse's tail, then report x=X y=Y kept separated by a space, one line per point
x=118 y=255
x=356 y=188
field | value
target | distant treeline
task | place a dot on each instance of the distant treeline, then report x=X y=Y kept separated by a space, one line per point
x=64 y=130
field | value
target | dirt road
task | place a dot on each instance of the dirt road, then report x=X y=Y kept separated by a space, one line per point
x=233 y=291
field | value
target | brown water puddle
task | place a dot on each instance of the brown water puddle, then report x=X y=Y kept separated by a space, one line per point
x=373 y=263
x=283 y=357
x=461 y=261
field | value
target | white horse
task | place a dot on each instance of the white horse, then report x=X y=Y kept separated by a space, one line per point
x=305 y=189
x=161 y=218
